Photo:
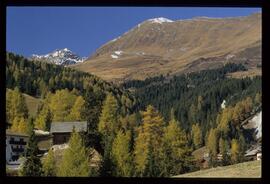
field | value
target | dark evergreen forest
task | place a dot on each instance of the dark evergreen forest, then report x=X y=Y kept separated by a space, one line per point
x=194 y=97
x=140 y=128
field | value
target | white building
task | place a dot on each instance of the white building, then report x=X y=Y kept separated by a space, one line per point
x=223 y=105
x=15 y=146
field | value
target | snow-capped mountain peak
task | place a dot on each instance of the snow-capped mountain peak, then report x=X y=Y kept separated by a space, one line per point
x=159 y=20
x=60 y=57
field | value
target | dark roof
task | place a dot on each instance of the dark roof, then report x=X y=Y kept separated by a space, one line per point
x=9 y=132
x=62 y=127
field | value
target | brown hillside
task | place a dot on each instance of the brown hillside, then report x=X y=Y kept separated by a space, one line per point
x=153 y=48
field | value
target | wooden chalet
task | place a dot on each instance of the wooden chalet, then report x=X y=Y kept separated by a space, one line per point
x=61 y=131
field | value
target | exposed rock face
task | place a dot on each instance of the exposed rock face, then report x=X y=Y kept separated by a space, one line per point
x=60 y=57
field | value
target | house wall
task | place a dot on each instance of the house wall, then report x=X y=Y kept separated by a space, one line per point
x=61 y=138
x=15 y=147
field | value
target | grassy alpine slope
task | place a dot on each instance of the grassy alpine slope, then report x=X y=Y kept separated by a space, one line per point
x=243 y=170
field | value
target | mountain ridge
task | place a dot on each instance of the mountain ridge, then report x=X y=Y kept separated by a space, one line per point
x=151 y=49
x=60 y=57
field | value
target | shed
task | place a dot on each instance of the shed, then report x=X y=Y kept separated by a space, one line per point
x=61 y=131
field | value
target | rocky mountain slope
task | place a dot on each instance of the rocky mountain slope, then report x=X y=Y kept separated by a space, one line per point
x=161 y=46
x=60 y=57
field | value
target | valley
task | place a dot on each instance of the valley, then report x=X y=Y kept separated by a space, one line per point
x=168 y=98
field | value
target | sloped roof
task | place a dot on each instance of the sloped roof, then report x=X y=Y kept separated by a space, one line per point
x=64 y=127
x=12 y=133
x=253 y=152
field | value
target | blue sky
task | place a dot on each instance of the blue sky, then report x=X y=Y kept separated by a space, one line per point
x=40 y=30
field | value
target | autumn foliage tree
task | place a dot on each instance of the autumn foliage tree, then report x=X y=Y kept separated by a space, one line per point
x=121 y=154
x=175 y=154
x=147 y=143
x=49 y=164
x=196 y=134
x=15 y=106
x=76 y=112
x=108 y=126
x=212 y=145
x=235 y=151
x=75 y=161
x=44 y=118
x=60 y=104
x=108 y=122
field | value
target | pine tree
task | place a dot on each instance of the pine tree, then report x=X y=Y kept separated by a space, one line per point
x=32 y=166
x=176 y=156
x=108 y=126
x=258 y=98
x=75 y=160
x=224 y=149
x=121 y=154
x=200 y=103
x=242 y=145
x=15 y=105
x=77 y=109
x=60 y=104
x=93 y=104
x=192 y=113
x=224 y=121
x=235 y=151
x=19 y=125
x=212 y=145
x=147 y=144
x=247 y=105
x=44 y=118
x=108 y=122
x=48 y=164
x=196 y=135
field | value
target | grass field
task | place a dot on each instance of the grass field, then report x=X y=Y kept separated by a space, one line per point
x=249 y=73
x=250 y=169
x=32 y=104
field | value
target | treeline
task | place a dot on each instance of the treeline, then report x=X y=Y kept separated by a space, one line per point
x=152 y=134
x=145 y=145
x=132 y=146
x=37 y=78
x=195 y=97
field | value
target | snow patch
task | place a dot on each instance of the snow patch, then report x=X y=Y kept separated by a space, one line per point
x=60 y=57
x=113 y=40
x=160 y=20
x=114 y=56
x=229 y=56
x=118 y=52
